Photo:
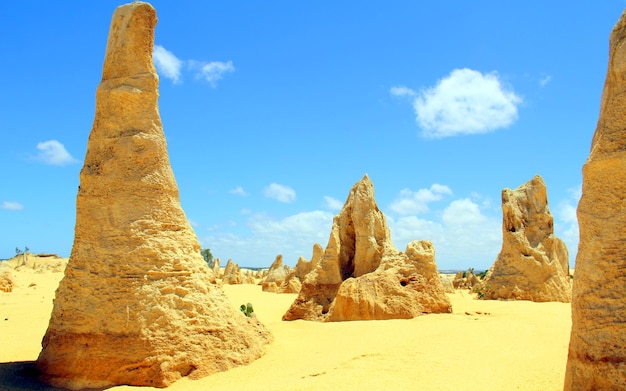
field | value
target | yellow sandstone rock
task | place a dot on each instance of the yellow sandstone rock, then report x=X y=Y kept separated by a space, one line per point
x=137 y=304
x=597 y=350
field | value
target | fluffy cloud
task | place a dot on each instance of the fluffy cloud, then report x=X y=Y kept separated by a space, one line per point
x=545 y=79
x=280 y=193
x=463 y=236
x=11 y=205
x=53 y=152
x=170 y=66
x=212 y=71
x=239 y=191
x=464 y=102
x=332 y=203
x=402 y=91
x=410 y=202
x=167 y=63
x=292 y=237
x=566 y=221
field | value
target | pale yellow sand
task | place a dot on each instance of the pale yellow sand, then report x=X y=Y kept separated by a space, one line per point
x=483 y=345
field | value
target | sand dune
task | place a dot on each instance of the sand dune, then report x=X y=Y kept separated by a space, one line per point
x=482 y=345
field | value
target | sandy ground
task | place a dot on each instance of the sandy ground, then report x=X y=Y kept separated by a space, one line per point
x=483 y=345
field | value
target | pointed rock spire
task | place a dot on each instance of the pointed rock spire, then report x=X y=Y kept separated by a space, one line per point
x=137 y=304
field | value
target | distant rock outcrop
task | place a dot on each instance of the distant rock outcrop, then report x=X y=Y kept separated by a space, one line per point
x=217 y=271
x=533 y=264
x=137 y=304
x=40 y=263
x=465 y=280
x=275 y=276
x=597 y=350
x=362 y=276
x=232 y=274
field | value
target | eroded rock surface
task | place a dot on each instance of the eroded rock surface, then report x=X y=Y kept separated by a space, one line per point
x=597 y=350
x=533 y=263
x=362 y=276
x=137 y=304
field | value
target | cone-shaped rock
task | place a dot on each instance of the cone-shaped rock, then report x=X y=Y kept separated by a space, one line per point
x=362 y=276
x=533 y=264
x=275 y=276
x=137 y=304
x=597 y=350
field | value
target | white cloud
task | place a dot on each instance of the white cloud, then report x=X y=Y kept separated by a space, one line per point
x=545 y=79
x=332 y=203
x=11 y=205
x=566 y=222
x=292 y=237
x=239 y=191
x=463 y=237
x=53 y=152
x=410 y=202
x=465 y=102
x=280 y=193
x=212 y=71
x=401 y=91
x=167 y=63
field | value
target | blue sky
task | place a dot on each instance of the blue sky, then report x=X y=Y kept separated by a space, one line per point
x=273 y=110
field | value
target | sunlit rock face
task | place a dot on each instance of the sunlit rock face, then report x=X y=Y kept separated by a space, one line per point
x=597 y=350
x=137 y=304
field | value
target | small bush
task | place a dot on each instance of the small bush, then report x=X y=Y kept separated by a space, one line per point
x=247 y=309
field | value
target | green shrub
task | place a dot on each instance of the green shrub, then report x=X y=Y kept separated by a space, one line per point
x=247 y=309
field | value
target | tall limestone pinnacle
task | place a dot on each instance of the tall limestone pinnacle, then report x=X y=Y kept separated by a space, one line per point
x=533 y=263
x=597 y=350
x=137 y=304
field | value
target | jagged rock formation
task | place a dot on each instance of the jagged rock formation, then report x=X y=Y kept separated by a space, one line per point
x=275 y=276
x=217 y=271
x=597 y=350
x=137 y=304
x=465 y=280
x=293 y=281
x=533 y=264
x=232 y=274
x=362 y=276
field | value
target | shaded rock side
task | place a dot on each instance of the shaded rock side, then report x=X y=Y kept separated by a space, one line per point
x=359 y=245
x=533 y=263
x=137 y=304
x=597 y=349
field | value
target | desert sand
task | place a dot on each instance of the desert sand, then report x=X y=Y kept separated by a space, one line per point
x=482 y=345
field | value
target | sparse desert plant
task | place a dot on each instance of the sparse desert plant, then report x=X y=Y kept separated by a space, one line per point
x=208 y=257
x=481 y=290
x=247 y=309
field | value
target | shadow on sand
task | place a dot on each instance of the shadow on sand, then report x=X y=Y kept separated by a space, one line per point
x=22 y=376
